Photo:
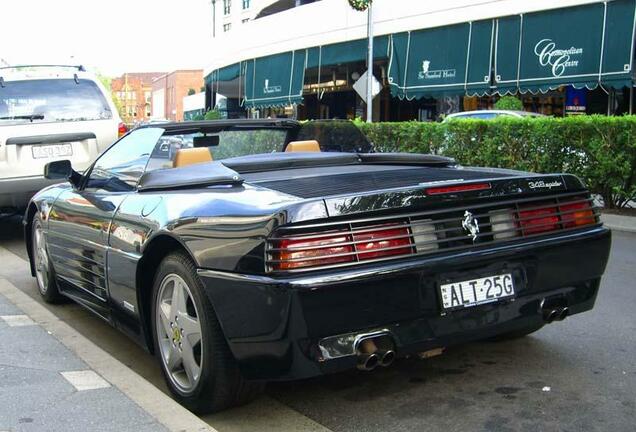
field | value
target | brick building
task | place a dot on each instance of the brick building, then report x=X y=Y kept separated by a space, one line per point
x=133 y=92
x=169 y=89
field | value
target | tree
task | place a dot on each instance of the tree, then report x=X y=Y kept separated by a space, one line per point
x=191 y=91
x=509 y=103
x=106 y=82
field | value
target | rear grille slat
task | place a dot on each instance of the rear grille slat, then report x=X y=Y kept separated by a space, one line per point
x=294 y=248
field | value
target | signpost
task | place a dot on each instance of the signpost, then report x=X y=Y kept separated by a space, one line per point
x=370 y=77
x=362 y=5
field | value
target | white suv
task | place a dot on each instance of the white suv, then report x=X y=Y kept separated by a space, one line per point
x=49 y=113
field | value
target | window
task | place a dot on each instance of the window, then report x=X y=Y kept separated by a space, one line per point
x=227 y=7
x=232 y=143
x=53 y=100
x=246 y=4
x=121 y=166
x=227 y=27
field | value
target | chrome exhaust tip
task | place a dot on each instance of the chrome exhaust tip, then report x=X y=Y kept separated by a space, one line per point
x=368 y=362
x=386 y=358
x=563 y=314
x=549 y=315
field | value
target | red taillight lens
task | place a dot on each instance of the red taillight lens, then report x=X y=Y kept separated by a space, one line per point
x=361 y=244
x=458 y=188
x=538 y=220
x=308 y=252
x=121 y=130
x=577 y=214
x=377 y=244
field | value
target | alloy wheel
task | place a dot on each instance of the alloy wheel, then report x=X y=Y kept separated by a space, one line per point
x=179 y=333
x=41 y=259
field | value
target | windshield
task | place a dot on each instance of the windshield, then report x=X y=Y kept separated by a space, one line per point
x=52 y=100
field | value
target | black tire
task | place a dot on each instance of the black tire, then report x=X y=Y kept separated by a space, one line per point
x=46 y=286
x=517 y=334
x=221 y=384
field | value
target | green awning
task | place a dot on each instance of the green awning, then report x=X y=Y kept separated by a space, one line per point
x=275 y=80
x=228 y=73
x=580 y=46
x=347 y=52
x=441 y=61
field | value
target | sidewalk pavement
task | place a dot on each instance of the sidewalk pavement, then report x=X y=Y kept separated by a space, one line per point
x=619 y=222
x=46 y=387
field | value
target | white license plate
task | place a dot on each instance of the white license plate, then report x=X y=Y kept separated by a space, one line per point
x=51 y=151
x=477 y=291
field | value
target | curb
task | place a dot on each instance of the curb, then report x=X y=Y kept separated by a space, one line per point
x=162 y=407
x=619 y=223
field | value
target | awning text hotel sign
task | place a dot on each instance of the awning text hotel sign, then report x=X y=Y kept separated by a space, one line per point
x=559 y=60
x=426 y=73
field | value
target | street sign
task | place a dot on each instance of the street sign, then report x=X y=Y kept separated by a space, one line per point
x=360 y=86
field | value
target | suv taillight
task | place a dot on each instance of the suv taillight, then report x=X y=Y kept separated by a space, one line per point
x=121 y=129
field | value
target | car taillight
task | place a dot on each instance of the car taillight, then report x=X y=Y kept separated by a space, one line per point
x=121 y=129
x=502 y=224
x=307 y=252
x=457 y=188
x=538 y=220
x=378 y=244
x=424 y=235
x=577 y=214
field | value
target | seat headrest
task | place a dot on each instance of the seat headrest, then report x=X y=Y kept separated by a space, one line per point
x=312 y=146
x=190 y=156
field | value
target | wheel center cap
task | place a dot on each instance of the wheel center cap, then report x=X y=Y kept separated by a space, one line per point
x=176 y=334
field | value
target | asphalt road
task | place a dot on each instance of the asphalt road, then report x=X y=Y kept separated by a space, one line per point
x=576 y=375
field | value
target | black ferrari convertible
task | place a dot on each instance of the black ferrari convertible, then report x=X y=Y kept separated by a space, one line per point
x=241 y=252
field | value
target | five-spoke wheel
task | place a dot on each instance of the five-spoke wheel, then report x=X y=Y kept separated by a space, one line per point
x=179 y=333
x=195 y=358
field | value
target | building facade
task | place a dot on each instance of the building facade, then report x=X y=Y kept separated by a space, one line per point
x=431 y=58
x=133 y=93
x=168 y=91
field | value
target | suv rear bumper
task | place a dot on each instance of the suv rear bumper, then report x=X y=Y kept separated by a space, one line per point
x=15 y=192
x=277 y=328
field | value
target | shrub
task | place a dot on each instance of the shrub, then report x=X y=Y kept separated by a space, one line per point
x=511 y=103
x=213 y=115
x=600 y=150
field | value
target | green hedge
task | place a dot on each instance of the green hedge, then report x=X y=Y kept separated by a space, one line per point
x=600 y=150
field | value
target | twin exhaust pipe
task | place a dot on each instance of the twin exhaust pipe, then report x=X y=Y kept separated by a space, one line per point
x=374 y=352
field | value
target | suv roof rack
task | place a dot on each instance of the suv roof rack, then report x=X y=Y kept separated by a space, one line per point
x=78 y=67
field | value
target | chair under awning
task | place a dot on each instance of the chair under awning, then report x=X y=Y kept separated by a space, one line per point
x=583 y=46
x=442 y=61
x=275 y=80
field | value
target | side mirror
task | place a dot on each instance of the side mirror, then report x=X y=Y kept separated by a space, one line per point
x=58 y=170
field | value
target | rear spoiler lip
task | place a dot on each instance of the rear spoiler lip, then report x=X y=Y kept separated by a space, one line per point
x=50 y=138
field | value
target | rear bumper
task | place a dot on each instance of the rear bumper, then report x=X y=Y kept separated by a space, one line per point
x=276 y=327
x=17 y=191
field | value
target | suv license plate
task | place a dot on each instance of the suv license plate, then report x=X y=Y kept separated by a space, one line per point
x=51 y=151
x=477 y=291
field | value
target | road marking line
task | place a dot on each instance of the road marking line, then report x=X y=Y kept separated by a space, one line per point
x=17 y=320
x=85 y=380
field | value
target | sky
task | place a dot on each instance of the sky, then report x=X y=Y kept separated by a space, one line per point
x=109 y=36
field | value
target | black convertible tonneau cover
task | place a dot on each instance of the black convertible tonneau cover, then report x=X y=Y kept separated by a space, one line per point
x=230 y=171
x=197 y=175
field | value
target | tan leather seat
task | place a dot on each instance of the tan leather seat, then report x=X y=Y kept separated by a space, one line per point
x=303 y=146
x=190 y=156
